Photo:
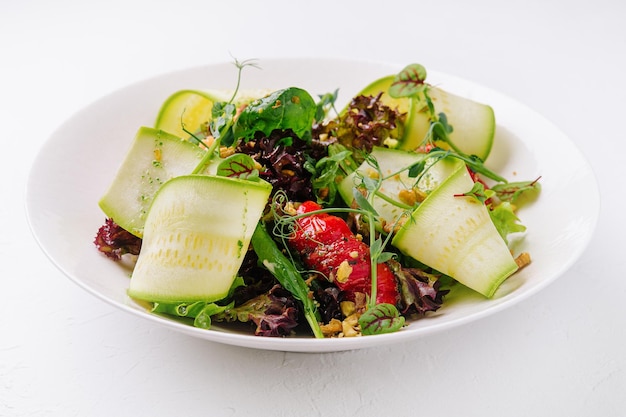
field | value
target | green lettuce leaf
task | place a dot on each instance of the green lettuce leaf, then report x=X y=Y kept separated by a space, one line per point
x=505 y=220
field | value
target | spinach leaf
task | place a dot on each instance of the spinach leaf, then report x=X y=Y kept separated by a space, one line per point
x=289 y=108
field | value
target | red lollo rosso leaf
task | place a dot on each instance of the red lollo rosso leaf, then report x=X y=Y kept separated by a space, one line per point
x=113 y=241
x=368 y=122
x=275 y=313
x=419 y=291
x=283 y=158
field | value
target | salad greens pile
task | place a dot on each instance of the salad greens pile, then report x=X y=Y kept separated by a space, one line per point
x=323 y=260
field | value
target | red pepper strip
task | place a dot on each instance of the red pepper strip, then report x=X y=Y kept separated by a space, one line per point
x=326 y=244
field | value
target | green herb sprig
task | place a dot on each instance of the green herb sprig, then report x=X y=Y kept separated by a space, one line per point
x=223 y=118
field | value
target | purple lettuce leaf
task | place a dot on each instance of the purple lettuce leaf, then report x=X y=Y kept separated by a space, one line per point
x=113 y=241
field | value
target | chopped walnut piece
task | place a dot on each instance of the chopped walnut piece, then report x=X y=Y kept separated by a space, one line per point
x=347 y=308
x=290 y=209
x=343 y=272
x=226 y=151
x=351 y=326
x=408 y=197
x=522 y=260
x=333 y=328
x=208 y=141
x=360 y=302
x=412 y=196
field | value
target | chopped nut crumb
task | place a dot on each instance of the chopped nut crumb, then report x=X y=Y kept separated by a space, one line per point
x=408 y=197
x=323 y=192
x=372 y=174
x=421 y=195
x=522 y=260
x=347 y=308
x=333 y=328
x=208 y=140
x=290 y=209
x=225 y=152
x=343 y=272
x=350 y=326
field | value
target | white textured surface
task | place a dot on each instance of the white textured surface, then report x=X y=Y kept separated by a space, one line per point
x=561 y=352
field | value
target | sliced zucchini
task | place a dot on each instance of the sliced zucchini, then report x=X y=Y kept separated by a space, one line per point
x=473 y=123
x=154 y=157
x=454 y=234
x=192 y=109
x=188 y=109
x=381 y=85
x=397 y=189
x=196 y=234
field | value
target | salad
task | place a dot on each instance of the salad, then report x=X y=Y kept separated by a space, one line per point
x=279 y=210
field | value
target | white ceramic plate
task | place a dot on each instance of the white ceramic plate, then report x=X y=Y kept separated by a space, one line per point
x=77 y=163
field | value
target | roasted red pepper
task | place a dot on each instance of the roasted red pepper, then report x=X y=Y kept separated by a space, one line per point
x=326 y=244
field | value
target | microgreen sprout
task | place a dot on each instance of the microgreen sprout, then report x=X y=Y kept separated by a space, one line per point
x=478 y=192
x=325 y=104
x=223 y=118
x=411 y=83
x=239 y=165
